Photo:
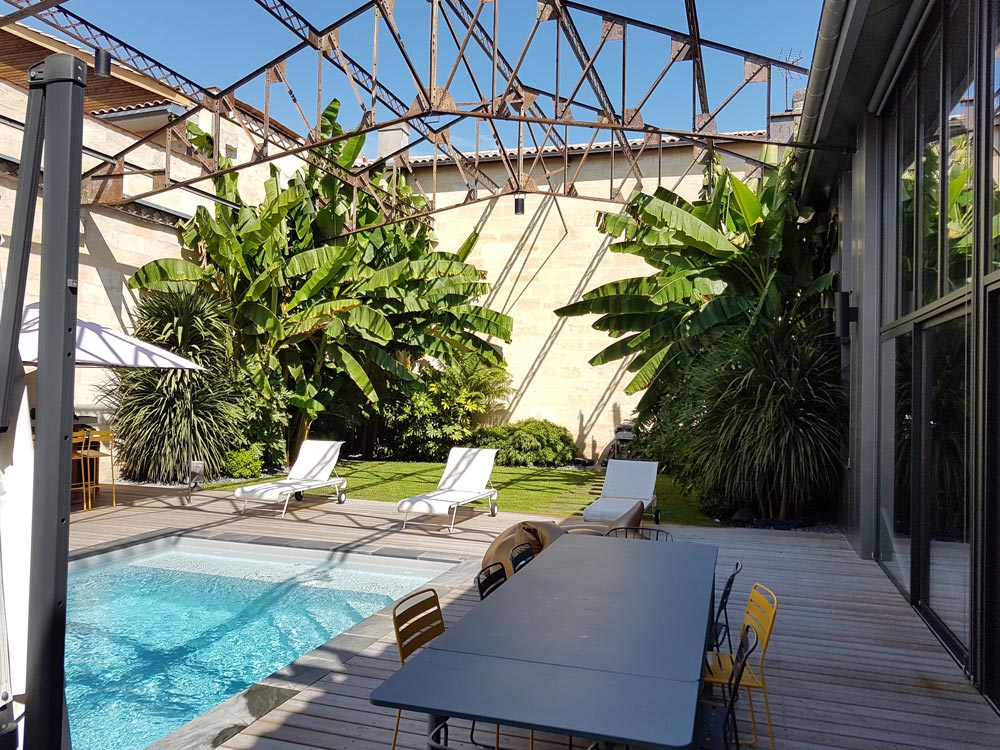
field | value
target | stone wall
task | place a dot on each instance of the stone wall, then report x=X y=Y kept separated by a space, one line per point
x=547 y=258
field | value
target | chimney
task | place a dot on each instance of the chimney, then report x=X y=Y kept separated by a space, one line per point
x=392 y=139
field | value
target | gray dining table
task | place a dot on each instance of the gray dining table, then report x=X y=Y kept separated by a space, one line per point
x=598 y=638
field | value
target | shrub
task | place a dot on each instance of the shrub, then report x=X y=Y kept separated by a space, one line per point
x=246 y=463
x=425 y=419
x=162 y=418
x=530 y=442
x=757 y=422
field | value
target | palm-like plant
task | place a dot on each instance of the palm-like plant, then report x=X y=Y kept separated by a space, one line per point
x=758 y=422
x=731 y=258
x=321 y=312
x=162 y=418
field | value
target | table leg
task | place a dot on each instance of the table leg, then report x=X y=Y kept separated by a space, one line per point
x=437 y=732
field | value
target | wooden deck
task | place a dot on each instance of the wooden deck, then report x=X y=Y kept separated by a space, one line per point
x=850 y=664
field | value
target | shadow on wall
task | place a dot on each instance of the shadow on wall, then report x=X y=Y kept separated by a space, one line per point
x=521 y=254
x=586 y=425
x=583 y=283
x=97 y=253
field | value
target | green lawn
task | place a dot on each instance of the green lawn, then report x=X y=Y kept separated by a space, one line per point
x=558 y=492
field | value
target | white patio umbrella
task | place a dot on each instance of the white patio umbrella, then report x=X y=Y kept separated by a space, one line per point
x=97 y=346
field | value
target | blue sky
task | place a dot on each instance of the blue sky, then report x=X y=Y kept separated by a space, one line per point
x=216 y=42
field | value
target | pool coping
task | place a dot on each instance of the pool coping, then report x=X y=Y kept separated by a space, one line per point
x=223 y=722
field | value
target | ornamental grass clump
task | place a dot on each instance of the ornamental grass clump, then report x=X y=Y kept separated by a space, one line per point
x=164 y=418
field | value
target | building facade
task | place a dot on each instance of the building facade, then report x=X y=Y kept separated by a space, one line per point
x=910 y=89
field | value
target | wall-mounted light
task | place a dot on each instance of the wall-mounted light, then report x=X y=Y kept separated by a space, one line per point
x=843 y=312
x=519 y=203
x=102 y=63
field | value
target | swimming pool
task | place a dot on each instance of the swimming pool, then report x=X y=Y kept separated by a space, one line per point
x=156 y=637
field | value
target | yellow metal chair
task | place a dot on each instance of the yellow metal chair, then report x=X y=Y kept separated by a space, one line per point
x=95 y=452
x=80 y=445
x=762 y=607
x=416 y=620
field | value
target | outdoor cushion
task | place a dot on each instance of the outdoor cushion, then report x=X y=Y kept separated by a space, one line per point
x=541 y=533
x=438 y=502
x=609 y=509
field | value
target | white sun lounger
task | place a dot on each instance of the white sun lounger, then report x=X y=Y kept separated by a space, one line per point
x=624 y=484
x=316 y=461
x=466 y=479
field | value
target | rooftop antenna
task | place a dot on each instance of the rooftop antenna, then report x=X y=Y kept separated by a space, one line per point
x=791 y=56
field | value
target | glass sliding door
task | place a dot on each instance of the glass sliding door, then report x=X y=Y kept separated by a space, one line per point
x=896 y=445
x=945 y=481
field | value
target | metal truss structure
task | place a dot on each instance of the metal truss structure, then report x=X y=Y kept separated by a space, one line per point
x=523 y=106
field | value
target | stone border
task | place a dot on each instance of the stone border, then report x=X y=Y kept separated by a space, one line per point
x=220 y=724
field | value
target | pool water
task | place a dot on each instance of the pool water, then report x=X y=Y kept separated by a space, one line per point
x=157 y=639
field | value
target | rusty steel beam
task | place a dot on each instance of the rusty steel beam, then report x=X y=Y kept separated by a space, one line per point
x=485 y=41
x=96 y=38
x=593 y=77
x=360 y=75
x=676 y=34
x=693 y=135
x=694 y=38
x=27 y=11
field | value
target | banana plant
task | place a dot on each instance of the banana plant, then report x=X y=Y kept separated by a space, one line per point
x=738 y=255
x=319 y=311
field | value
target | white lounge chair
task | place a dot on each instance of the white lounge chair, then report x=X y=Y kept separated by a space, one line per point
x=466 y=479
x=624 y=483
x=317 y=460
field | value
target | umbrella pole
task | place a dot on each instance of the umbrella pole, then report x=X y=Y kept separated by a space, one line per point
x=59 y=81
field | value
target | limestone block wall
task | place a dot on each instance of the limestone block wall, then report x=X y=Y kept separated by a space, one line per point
x=548 y=258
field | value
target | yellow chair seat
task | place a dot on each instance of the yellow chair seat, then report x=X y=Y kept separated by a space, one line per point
x=719 y=667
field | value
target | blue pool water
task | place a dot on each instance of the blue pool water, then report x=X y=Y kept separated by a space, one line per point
x=156 y=640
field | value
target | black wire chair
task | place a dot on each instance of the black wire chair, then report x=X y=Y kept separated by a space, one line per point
x=637 y=532
x=717 y=729
x=490 y=578
x=721 y=628
x=520 y=556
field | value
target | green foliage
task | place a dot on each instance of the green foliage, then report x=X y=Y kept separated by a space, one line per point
x=425 y=420
x=529 y=442
x=757 y=421
x=163 y=418
x=246 y=463
x=738 y=255
x=320 y=317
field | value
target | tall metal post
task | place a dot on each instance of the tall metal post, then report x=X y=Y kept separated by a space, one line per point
x=62 y=79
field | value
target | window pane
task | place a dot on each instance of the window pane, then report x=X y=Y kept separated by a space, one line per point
x=930 y=174
x=961 y=66
x=895 y=458
x=907 y=180
x=995 y=250
x=889 y=208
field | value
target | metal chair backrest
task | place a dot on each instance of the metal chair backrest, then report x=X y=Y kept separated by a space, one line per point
x=722 y=613
x=520 y=556
x=490 y=578
x=748 y=642
x=417 y=620
x=762 y=608
x=638 y=532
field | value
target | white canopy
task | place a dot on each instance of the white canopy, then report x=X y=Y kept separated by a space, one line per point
x=97 y=346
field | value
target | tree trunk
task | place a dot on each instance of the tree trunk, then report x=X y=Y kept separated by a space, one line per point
x=298 y=431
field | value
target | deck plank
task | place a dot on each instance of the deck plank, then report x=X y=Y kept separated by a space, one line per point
x=851 y=666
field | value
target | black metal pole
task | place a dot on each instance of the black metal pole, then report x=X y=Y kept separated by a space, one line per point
x=28 y=175
x=63 y=78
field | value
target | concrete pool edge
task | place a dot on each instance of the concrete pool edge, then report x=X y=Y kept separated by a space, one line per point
x=216 y=726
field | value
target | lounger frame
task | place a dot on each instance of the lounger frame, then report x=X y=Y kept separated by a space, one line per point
x=311 y=471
